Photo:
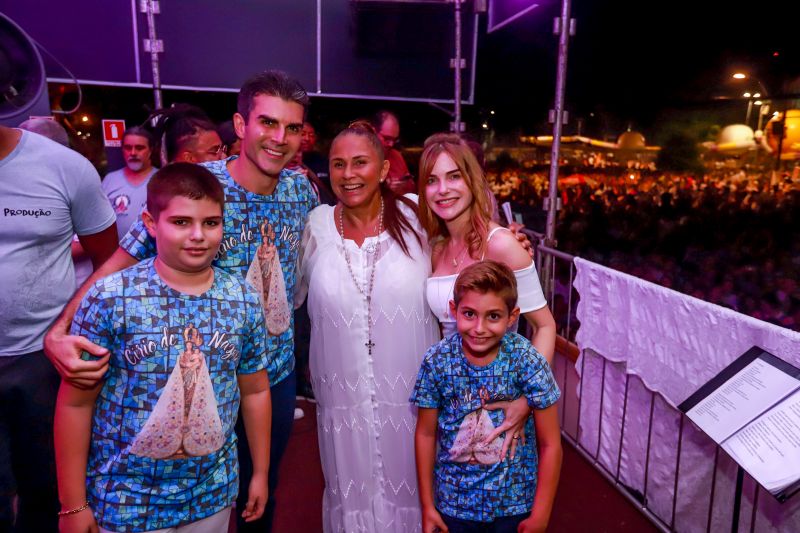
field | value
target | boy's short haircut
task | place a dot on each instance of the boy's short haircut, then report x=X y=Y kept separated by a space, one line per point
x=485 y=277
x=270 y=83
x=182 y=179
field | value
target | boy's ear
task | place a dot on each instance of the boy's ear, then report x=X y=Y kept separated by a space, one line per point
x=149 y=223
x=513 y=316
x=453 y=308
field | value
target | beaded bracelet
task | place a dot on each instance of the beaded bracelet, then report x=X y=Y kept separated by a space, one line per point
x=73 y=511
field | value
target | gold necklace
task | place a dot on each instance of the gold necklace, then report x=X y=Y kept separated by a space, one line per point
x=457 y=264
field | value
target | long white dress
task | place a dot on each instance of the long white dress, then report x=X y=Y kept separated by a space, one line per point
x=364 y=419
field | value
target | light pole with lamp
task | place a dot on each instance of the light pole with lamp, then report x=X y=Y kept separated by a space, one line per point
x=780 y=126
x=749 y=108
x=751 y=96
x=750 y=104
x=743 y=76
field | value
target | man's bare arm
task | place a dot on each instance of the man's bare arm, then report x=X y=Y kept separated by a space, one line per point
x=100 y=246
x=64 y=350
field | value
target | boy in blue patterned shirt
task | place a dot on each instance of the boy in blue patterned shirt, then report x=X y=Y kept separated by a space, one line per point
x=476 y=489
x=154 y=447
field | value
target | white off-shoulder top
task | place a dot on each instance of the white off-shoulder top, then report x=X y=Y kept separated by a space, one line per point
x=439 y=292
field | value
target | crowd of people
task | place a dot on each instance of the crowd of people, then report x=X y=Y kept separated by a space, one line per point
x=729 y=237
x=177 y=356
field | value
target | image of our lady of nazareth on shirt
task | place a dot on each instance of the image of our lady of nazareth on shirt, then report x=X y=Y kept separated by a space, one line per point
x=185 y=421
x=469 y=446
x=121 y=203
x=266 y=276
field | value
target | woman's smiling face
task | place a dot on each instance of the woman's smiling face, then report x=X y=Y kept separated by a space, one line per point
x=446 y=189
x=356 y=170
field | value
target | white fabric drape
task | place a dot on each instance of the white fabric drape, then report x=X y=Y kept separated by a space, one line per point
x=672 y=344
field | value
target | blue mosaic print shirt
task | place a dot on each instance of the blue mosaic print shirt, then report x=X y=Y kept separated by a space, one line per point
x=470 y=481
x=285 y=210
x=173 y=357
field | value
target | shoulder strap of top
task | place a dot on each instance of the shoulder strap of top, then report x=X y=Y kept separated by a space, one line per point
x=489 y=238
x=495 y=230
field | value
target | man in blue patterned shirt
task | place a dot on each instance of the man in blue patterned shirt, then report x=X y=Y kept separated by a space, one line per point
x=476 y=488
x=265 y=213
x=184 y=339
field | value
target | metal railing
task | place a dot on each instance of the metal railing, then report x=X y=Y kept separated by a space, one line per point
x=563 y=300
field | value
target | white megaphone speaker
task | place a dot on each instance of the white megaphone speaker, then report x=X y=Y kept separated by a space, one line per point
x=23 y=85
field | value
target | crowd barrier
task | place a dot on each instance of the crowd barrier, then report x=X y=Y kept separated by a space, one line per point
x=632 y=433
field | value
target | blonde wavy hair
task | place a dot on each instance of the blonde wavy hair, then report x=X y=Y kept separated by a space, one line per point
x=471 y=172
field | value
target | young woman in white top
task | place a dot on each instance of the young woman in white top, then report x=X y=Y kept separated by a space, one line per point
x=455 y=210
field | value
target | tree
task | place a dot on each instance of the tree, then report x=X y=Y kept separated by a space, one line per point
x=680 y=153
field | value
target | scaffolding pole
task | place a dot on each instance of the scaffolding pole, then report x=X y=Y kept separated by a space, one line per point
x=456 y=65
x=564 y=28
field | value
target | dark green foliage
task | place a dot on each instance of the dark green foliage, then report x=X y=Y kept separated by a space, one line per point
x=680 y=153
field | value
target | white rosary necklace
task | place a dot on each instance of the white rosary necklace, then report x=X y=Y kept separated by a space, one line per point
x=366 y=290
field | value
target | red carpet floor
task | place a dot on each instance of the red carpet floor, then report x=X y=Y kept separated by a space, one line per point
x=585 y=502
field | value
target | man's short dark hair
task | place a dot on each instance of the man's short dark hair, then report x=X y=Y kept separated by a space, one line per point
x=141 y=131
x=270 y=83
x=182 y=179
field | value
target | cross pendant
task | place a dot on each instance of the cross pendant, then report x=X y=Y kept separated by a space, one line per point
x=369 y=344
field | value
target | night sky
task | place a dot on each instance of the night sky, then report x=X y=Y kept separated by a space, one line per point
x=634 y=63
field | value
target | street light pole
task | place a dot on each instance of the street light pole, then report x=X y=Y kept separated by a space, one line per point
x=748 y=95
x=749 y=109
x=763 y=110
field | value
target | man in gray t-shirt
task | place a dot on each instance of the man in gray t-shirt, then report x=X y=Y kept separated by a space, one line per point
x=47 y=193
x=126 y=188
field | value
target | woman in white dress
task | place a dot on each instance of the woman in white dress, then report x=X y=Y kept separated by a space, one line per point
x=365 y=262
x=455 y=210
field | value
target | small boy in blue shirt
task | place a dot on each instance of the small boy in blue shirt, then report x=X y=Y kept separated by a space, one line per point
x=475 y=488
x=153 y=446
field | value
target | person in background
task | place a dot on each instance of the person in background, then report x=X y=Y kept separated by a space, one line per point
x=314 y=166
x=399 y=178
x=48 y=128
x=228 y=136
x=311 y=157
x=126 y=188
x=188 y=134
x=304 y=156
